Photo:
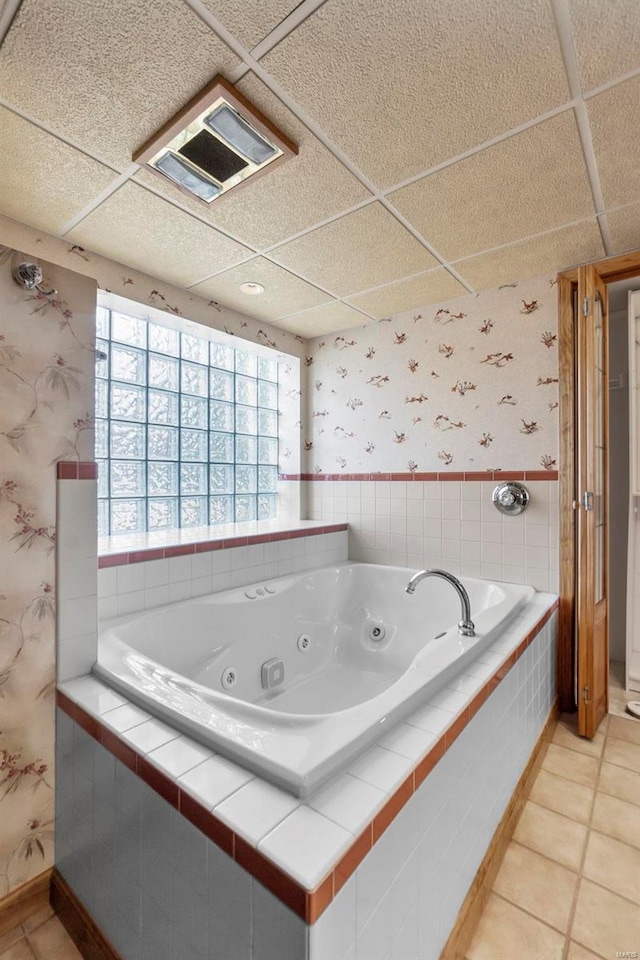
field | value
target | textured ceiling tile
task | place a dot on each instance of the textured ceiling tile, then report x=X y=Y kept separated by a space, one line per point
x=532 y=182
x=431 y=287
x=615 y=126
x=283 y=294
x=325 y=319
x=358 y=251
x=108 y=74
x=402 y=86
x=606 y=39
x=306 y=189
x=44 y=182
x=250 y=22
x=135 y=228
x=624 y=227
x=554 y=251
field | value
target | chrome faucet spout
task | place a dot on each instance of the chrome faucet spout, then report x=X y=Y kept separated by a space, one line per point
x=466 y=626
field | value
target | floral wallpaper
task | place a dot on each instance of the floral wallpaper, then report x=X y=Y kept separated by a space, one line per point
x=471 y=384
x=46 y=415
x=121 y=280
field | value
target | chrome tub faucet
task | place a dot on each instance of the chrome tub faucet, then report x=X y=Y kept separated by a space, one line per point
x=466 y=627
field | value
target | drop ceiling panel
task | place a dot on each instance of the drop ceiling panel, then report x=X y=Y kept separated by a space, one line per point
x=409 y=294
x=624 y=227
x=283 y=294
x=553 y=251
x=402 y=86
x=532 y=182
x=358 y=251
x=303 y=191
x=44 y=182
x=615 y=126
x=141 y=230
x=250 y=27
x=325 y=319
x=108 y=74
x=606 y=37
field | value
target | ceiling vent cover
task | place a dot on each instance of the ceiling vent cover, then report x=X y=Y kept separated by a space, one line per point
x=215 y=143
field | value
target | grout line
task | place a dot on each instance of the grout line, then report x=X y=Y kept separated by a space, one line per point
x=562 y=20
x=574 y=904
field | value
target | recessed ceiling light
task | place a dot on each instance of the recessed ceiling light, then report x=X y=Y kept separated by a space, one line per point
x=215 y=143
x=253 y=289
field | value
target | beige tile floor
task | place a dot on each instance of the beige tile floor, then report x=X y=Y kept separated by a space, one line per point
x=618 y=696
x=569 y=884
x=41 y=937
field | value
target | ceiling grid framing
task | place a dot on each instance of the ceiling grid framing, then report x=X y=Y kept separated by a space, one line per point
x=250 y=63
x=565 y=38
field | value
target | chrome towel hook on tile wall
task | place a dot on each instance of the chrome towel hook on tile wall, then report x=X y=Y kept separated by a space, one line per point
x=510 y=498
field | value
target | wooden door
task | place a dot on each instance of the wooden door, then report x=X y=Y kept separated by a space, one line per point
x=592 y=495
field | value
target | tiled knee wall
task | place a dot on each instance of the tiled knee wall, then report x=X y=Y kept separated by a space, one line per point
x=141 y=586
x=159 y=888
x=452 y=524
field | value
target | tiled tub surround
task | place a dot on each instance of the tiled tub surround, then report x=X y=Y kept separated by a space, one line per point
x=144 y=574
x=334 y=696
x=375 y=865
x=76 y=569
x=449 y=522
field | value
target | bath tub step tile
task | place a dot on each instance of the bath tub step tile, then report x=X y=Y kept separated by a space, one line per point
x=306 y=845
x=382 y=769
x=179 y=755
x=213 y=781
x=255 y=809
x=349 y=802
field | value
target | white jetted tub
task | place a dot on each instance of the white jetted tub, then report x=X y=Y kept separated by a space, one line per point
x=294 y=677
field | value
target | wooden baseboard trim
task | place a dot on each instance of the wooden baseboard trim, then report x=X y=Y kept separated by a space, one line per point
x=476 y=899
x=81 y=927
x=19 y=905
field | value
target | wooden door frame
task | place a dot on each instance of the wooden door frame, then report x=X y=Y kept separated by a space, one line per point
x=610 y=270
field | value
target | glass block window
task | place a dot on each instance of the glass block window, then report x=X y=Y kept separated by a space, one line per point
x=186 y=429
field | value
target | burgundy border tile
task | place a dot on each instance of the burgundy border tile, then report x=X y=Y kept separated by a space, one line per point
x=453 y=732
x=67 y=470
x=113 y=560
x=141 y=556
x=118 y=748
x=427 y=764
x=541 y=475
x=180 y=550
x=319 y=899
x=271 y=876
x=89 y=723
x=87 y=470
x=157 y=780
x=197 y=814
x=392 y=807
x=66 y=704
x=352 y=859
x=424 y=477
